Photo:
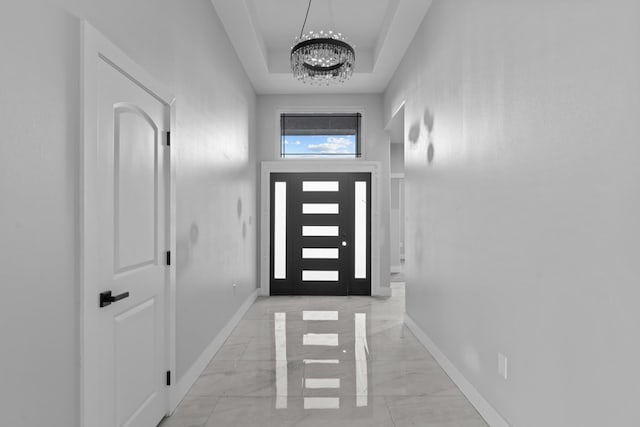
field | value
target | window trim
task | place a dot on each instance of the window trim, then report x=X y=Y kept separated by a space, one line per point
x=322 y=122
x=320 y=110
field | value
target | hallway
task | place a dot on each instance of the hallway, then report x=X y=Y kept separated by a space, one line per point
x=501 y=140
x=283 y=366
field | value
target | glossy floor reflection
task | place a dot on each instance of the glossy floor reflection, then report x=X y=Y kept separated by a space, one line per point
x=317 y=361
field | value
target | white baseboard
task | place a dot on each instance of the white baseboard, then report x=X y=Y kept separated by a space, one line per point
x=382 y=292
x=397 y=269
x=490 y=415
x=189 y=378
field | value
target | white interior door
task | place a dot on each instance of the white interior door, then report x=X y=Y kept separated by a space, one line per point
x=125 y=374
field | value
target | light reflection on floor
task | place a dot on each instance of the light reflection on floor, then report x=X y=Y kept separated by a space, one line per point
x=324 y=361
x=310 y=341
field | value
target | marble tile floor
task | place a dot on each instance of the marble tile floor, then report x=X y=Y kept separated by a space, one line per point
x=324 y=361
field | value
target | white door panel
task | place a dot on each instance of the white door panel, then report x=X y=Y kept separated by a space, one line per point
x=131 y=182
x=135 y=345
x=135 y=198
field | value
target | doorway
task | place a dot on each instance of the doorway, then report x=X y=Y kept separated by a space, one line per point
x=395 y=128
x=320 y=233
x=127 y=280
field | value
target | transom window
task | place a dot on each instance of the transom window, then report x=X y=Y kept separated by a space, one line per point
x=313 y=135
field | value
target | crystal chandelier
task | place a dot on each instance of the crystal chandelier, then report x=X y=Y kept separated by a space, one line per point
x=321 y=58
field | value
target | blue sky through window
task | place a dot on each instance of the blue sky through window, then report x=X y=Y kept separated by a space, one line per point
x=319 y=146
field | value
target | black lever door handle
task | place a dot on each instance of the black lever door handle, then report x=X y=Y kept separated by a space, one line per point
x=106 y=298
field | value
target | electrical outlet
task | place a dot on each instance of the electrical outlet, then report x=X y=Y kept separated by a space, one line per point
x=503 y=366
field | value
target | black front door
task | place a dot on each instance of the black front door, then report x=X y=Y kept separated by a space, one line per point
x=320 y=234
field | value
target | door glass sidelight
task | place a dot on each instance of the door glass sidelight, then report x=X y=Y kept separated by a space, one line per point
x=320 y=233
x=280 y=230
x=360 y=238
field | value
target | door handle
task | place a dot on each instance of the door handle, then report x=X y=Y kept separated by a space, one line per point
x=106 y=298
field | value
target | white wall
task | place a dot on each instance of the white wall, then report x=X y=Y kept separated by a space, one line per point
x=39 y=113
x=396 y=152
x=375 y=143
x=523 y=232
x=183 y=45
x=396 y=214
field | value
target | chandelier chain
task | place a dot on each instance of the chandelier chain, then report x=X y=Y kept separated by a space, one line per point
x=305 y=19
x=332 y=19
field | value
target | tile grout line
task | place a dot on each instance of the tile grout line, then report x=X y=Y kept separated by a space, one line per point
x=386 y=403
x=212 y=410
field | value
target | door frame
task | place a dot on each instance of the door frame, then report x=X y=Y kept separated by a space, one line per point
x=302 y=166
x=94 y=47
x=345 y=219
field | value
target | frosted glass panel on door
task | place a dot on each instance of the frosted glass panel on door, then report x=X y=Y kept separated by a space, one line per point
x=320 y=253
x=322 y=383
x=360 y=238
x=280 y=231
x=320 y=186
x=321 y=403
x=319 y=276
x=320 y=230
x=321 y=208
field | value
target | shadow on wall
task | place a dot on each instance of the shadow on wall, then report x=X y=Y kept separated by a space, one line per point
x=414 y=133
x=244 y=222
x=428 y=123
x=184 y=249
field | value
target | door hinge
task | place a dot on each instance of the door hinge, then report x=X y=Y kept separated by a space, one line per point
x=168 y=139
x=168 y=378
x=168 y=257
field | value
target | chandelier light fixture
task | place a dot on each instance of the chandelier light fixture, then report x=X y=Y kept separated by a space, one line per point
x=321 y=58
